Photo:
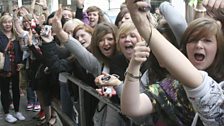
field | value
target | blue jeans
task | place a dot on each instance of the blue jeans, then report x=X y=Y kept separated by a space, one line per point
x=31 y=96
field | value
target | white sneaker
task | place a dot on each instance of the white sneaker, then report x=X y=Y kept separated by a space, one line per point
x=19 y=116
x=9 y=118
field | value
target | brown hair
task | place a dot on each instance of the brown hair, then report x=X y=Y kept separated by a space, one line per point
x=85 y=27
x=99 y=32
x=100 y=13
x=69 y=9
x=120 y=15
x=203 y=27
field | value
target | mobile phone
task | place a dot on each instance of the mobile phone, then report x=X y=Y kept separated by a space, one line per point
x=106 y=78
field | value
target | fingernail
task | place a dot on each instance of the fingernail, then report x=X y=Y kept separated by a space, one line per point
x=144 y=9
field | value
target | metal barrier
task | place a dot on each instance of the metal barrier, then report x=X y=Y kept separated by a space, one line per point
x=82 y=88
x=66 y=121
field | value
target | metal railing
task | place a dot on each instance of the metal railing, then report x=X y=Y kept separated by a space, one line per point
x=84 y=88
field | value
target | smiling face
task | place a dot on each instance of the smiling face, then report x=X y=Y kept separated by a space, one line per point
x=103 y=43
x=107 y=45
x=7 y=23
x=128 y=36
x=127 y=42
x=203 y=52
x=93 y=18
x=83 y=37
x=26 y=24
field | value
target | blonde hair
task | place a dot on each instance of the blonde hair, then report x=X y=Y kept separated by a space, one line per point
x=71 y=25
x=7 y=18
x=125 y=28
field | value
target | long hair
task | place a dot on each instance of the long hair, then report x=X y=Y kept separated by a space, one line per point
x=7 y=18
x=101 y=30
x=203 y=27
x=86 y=28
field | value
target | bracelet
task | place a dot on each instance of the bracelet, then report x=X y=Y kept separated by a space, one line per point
x=199 y=10
x=133 y=76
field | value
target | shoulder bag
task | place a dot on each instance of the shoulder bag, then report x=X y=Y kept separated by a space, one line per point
x=2 y=56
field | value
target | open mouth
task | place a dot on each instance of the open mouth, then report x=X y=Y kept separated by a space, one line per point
x=82 y=43
x=129 y=47
x=199 y=56
x=107 y=49
x=91 y=20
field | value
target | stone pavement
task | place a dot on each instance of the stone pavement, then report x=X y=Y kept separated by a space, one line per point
x=28 y=114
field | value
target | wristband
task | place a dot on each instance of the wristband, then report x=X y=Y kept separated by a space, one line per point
x=133 y=76
x=199 y=10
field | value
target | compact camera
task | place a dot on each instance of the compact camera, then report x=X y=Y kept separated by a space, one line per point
x=46 y=30
x=33 y=24
x=108 y=90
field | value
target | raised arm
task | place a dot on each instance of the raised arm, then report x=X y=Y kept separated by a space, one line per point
x=43 y=5
x=163 y=49
x=215 y=8
x=79 y=9
x=177 y=23
x=84 y=57
x=134 y=103
x=32 y=7
x=17 y=23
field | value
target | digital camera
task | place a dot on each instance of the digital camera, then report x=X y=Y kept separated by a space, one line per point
x=46 y=30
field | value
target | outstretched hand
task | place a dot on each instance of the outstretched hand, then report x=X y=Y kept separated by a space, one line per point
x=215 y=8
x=106 y=79
x=56 y=21
x=213 y=4
x=42 y=3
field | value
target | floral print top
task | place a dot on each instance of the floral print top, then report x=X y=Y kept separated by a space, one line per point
x=170 y=102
